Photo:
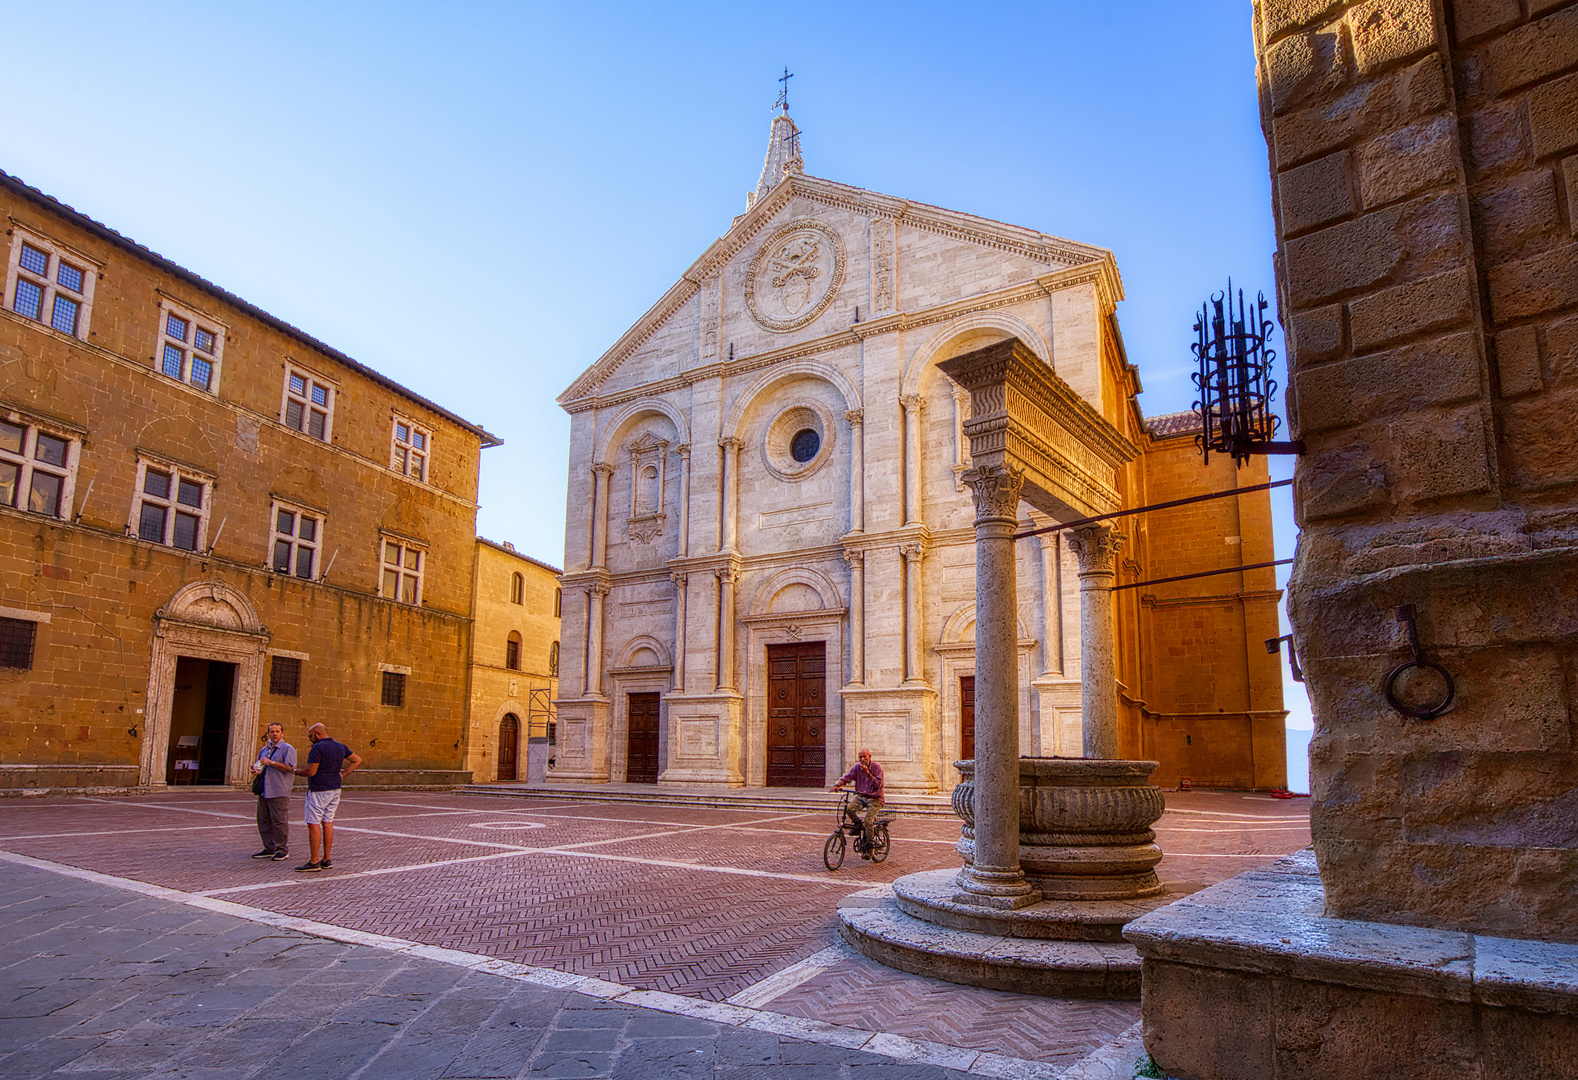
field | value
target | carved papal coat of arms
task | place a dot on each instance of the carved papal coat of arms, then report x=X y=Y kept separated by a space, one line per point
x=795 y=275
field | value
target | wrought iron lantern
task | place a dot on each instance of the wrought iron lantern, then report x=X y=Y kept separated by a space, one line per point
x=1235 y=380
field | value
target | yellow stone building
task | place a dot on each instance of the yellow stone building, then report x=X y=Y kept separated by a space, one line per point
x=514 y=665
x=210 y=521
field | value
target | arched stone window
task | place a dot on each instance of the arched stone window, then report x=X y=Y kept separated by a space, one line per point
x=553 y=658
x=517 y=589
x=512 y=652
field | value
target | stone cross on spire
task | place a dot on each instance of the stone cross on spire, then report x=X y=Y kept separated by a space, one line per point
x=783 y=157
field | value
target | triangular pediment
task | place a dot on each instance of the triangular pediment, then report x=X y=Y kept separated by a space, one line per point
x=774 y=212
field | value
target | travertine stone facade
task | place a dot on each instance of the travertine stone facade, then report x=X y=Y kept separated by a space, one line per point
x=770 y=457
x=1424 y=161
x=514 y=660
x=110 y=686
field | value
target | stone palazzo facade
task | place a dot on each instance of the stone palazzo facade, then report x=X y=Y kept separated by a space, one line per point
x=769 y=544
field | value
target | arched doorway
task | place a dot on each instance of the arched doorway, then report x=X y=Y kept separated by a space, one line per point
x=509 y=746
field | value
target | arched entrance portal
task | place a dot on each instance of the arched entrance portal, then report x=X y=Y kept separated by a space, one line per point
x=509 y=747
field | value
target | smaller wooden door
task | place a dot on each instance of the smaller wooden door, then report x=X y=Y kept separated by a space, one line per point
x=509 y=746
x=642 y=764
x=797 y=715
x=966 y=717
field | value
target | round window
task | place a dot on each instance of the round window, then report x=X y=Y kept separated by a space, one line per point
x=804 y=445
x=799 y=441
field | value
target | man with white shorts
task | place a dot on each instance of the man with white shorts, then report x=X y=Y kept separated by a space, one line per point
x=328 y=762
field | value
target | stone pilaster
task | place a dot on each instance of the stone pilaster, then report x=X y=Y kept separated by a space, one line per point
x=1097 y=548
x=600 y=474
x=857 y=616
x=681 y=588
x=994 y=879
x=914 y=670
x=913 y=405
x=857 y=470
x=731 y=492
x=596 y=592
x=727 y=578
x=683 y=450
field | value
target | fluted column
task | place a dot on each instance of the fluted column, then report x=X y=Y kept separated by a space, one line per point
x=600 y=474
x=857 y=616
x=593 y=681
x=913 y=670
x=857 y=470
x=731 y=492
x=680 y=591
x=912 y=458
x=1052 y=602
x=1096 y=547
x=995 y=878
x=726 y=579
x=683 y=450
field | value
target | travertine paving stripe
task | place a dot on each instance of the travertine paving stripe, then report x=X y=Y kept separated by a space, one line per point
x=897 y=1047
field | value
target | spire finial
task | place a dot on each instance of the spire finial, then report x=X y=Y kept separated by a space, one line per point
x=783 y=93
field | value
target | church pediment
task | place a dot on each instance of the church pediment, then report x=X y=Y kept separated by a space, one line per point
x=789 y=256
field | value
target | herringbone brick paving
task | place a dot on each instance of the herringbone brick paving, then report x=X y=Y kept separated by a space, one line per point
x=698 y=901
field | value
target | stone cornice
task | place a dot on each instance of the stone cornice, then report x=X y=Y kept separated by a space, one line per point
x=892 y=539
x=997 y=235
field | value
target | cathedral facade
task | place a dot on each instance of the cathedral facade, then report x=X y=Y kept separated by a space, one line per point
x=769 y=550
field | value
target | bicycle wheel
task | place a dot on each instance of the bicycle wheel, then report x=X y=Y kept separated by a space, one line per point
x=879 y=843
x=833 y=851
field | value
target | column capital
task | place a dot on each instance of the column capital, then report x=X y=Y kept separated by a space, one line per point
x=912 y=402
x=727 y=575
x=1096 y=547
x=597 y=588
x=729 y=442
x=996 y=489
x=911 y=551
x=603 y=469
x=856 y=558
x=683 y=450
x=680 y=579
x=856 y=417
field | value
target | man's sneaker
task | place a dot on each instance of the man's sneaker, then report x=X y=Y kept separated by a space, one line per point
x=326 y=865
x=309 y=868
x=279 y=856
x=264 y=855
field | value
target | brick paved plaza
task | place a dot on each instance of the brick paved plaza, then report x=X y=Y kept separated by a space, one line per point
x=724 y=914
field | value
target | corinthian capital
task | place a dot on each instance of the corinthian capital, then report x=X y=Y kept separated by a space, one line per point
x=679 y=578
x=913 y=403
x=1096 y=547
x=996 y=490
x=727 y=575
x=597 y=588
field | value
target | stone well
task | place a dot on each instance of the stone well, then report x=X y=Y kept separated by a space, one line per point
x=1084 y=826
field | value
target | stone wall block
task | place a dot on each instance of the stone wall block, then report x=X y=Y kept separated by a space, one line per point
x=1353 y=795
x=1519 y=799
x=1277 y=17
x=1518 y=361
x=1317 y=335
x=1561 y=352
x=1537 y=441
x=1434 y=303
x=1518 y=218
x=1553 y=116
x=1325 y=1030
x=1303 y=66
x=1534 y=286
x=1475 y=18
x=1497 y=140
x=1570 y=190
x=1417 y=238
x=1535 y=51
x=1441 y=454
x=1407 y=161
x=1434 y=372
x=1349 y=479
x=1519 y=1042
x=1388 y=31
x=1238 y=1042
x=1317 y=193
x=1368 y=108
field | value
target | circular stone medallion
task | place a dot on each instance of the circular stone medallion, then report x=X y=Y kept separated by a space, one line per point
x=795 y=275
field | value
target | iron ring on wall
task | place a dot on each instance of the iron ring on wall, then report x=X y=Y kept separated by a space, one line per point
x=1430 y=712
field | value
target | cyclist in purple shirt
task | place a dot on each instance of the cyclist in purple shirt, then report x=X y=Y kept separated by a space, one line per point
x=867 y=778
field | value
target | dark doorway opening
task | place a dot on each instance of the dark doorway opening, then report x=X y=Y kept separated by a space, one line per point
x=797 y=715
x=641 y=764
x=509 y=746
x=200 y=713
x=966 y=717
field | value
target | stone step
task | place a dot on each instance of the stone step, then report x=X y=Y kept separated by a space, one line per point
x=875 y=926
x=809 y=799
x=929 y=896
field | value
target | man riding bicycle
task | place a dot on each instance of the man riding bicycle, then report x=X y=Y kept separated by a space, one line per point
x=867 y=778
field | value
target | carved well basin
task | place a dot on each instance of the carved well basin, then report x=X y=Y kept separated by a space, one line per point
x=1084 y=826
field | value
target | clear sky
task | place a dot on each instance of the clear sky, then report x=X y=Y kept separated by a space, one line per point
x=477 y=199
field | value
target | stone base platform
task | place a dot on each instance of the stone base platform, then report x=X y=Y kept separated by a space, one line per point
x=1248 y=979
x=875 y=925
x=929 y=896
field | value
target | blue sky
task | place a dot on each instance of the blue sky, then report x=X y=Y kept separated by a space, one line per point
x=478 y=199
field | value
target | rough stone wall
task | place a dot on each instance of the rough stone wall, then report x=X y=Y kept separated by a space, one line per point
x=495 y=688
x=1423 y=157
x=1213 y=710
x=82 y=705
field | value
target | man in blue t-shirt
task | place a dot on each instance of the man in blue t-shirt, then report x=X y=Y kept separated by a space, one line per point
x=328 y=762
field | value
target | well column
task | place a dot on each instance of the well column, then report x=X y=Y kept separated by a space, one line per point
x=1096 y=547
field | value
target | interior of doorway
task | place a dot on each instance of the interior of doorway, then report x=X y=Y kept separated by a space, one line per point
x=200 y=716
